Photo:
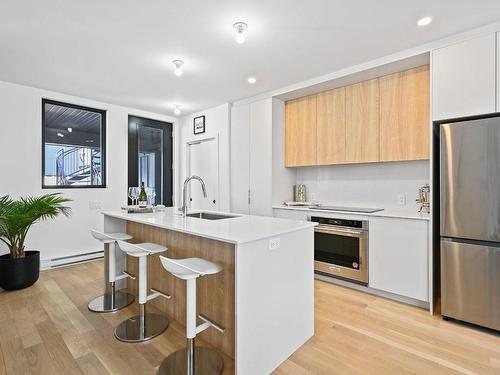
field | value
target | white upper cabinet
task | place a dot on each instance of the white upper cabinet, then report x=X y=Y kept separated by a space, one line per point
x=398 y=257
x=464 y=78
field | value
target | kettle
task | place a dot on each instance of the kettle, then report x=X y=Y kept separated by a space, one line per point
x=299 y=193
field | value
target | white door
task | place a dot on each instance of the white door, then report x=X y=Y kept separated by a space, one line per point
x=204 y=162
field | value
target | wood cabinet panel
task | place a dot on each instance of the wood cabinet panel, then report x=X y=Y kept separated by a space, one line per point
x=362 y=122
x=331 y=127
x=300 y=132
x=404 y=115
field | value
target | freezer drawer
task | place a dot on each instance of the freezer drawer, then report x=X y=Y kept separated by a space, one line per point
x=470 y=283
x=470 y=179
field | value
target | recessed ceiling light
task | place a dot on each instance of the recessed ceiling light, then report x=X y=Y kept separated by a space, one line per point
x=70 y=130
x=177 y=109
x=239 y=28
x=251 y=80
x=178 y=67
x=60 y=135
x=424 y=21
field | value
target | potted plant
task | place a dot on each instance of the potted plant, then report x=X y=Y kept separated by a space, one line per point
x=20 y=269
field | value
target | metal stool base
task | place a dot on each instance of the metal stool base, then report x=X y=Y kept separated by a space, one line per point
x=110 y=302
x=141 y=328
x=206 y=362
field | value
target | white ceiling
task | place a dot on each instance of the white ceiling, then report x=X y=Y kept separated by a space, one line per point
x=120 y=51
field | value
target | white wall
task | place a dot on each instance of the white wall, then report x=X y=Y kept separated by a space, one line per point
x=20 y=168
x=367 y=185
x=217 y=123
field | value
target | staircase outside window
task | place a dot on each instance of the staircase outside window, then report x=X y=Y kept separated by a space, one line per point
x=73 y=146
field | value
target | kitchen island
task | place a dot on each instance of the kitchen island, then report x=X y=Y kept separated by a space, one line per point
x=264 y=297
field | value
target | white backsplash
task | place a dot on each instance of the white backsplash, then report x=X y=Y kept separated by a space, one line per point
x=366 y=185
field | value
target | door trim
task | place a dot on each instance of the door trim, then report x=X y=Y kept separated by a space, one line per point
x=194 y=141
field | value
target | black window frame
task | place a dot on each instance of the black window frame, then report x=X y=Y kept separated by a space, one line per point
x=103 y=114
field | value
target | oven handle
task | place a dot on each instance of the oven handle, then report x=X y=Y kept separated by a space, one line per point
x=329 y=229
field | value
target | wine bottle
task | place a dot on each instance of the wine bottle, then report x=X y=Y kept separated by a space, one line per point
x=143 y=198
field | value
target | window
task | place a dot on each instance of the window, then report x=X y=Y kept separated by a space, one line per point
x=73 y=146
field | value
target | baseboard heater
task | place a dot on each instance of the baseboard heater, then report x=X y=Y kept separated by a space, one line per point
x=69 y=260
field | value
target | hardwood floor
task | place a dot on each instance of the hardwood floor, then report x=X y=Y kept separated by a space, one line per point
x=47 y=329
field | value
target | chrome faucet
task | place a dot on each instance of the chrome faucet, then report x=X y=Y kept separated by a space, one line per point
x=184 y=208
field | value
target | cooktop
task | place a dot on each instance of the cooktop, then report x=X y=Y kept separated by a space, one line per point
x=351 y=209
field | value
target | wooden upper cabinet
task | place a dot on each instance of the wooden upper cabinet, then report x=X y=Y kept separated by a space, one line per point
x=331 y=127
x=404 y=115
x=362 y=122
x=300 y=132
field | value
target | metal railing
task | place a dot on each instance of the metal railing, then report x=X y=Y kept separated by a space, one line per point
x=78 y=164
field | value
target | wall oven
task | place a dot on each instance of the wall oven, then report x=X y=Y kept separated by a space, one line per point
x=341 y=248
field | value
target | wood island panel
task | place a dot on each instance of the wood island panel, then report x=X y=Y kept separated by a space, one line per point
x=215 y=293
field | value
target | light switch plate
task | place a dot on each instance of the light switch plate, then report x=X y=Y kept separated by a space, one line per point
x=402 y=199
x=274 y=243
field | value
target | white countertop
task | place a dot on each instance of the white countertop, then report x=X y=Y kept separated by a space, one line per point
x=403 y=214
x=237 y=230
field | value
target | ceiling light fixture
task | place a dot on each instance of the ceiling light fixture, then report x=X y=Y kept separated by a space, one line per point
x=251 y=80
x=424 y=21
x=60 y=135
x=177 y=109
x=239 y=28
x=70 y=130
x=178 y=67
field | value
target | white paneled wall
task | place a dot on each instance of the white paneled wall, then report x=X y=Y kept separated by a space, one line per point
x=370 y=185
x=257 y=167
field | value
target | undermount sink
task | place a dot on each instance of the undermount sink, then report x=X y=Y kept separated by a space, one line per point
x=210 y=216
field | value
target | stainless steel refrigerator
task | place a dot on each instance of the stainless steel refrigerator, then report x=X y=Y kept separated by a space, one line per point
x=470 y=221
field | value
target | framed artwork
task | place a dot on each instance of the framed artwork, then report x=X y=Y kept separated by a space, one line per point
x=199 y=125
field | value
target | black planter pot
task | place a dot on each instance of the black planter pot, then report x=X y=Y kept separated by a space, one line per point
x=19 y=273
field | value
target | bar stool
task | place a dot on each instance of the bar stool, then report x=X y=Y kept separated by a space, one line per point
x=192 y=360
x=111 y=300
x=144 y=326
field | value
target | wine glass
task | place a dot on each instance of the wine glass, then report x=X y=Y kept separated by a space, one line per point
x=130 y=195
x=135 y=194
x=152 y=195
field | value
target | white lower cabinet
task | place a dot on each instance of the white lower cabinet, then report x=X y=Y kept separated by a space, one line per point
x=290 y=214
x=398 y=257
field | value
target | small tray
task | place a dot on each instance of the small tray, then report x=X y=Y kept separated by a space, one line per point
x=137 y=209
x=300 y=204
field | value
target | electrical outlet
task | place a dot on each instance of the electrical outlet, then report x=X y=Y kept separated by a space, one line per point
x=274 y=243
x=402 y=199
x=95 y=205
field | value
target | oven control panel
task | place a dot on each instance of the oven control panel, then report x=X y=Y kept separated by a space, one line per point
x=339 y=222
